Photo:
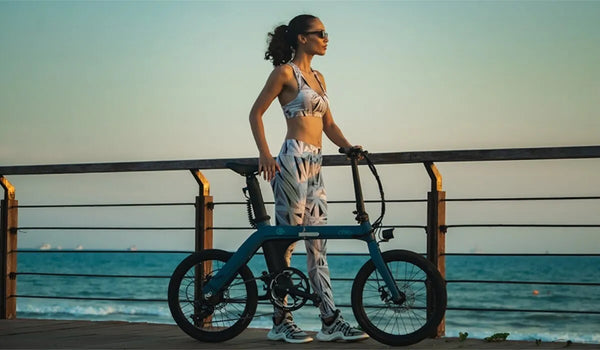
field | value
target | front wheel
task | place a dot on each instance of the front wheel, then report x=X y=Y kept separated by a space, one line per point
x=222 y=316
x=406 y=322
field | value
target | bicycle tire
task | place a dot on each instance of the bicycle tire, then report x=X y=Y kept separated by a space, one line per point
x=227 y=314
x=407 y=323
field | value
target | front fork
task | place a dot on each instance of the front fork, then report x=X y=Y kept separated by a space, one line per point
x=397 y=296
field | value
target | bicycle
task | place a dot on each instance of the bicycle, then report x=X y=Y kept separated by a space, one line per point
x=398 y=297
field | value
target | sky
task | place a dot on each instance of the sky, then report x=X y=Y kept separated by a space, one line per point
x=109 y=81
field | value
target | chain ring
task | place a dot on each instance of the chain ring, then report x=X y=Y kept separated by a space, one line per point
x=284 y=282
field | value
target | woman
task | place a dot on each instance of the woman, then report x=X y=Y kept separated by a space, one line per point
x=295 y=176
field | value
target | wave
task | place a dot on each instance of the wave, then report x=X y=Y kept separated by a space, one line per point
x=82 y=312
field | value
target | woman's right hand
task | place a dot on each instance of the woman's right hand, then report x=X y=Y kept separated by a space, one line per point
x=267 y=166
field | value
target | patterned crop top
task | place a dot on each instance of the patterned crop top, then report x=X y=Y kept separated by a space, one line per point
x=308 y=102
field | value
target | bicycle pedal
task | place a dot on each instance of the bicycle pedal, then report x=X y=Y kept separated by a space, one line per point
x=264 y=276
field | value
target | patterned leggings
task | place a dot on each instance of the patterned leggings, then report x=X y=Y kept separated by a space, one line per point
x=300 y=199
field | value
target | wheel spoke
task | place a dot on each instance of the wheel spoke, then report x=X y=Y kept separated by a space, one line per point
x=221 y=316
x=399 y=323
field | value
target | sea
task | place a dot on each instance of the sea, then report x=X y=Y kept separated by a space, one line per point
x=46 y=277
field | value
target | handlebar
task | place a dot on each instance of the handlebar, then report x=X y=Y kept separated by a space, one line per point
x=357 y=153
x=353 y=152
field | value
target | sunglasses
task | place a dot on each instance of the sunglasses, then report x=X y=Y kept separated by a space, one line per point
x=320 y=33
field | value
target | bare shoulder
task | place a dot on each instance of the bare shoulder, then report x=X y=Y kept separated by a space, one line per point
x=283 y=72
x=282 y=76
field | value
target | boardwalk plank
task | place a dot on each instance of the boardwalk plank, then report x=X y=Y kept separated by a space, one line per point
x=56 y=334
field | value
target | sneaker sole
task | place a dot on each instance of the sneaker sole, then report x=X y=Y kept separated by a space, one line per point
x=340 y=336
x=279 y=337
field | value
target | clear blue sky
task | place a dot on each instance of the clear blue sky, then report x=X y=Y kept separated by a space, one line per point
x=124 y=81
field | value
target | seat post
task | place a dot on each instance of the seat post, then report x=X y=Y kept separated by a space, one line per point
x=258 y=204
x=274 y=251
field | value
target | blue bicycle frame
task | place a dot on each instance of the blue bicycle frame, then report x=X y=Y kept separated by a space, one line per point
x=267 y=233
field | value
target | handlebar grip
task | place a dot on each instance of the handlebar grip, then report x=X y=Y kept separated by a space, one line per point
x=352 y=151
x=345 y=150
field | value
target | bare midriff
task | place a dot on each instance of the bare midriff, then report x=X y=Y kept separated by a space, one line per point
x=305 y=129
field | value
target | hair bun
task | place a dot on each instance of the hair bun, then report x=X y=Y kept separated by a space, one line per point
x=282 y=41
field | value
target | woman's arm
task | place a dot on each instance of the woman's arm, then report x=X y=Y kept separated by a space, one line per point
x=266 y=164
x=330 y=128
x=333 y=132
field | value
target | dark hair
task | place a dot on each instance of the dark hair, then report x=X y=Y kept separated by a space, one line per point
x=284 y=39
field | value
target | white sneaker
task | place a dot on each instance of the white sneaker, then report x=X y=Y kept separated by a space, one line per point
x=340 y=330
x=288 y=331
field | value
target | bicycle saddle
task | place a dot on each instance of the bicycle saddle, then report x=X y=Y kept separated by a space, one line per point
x=243 y=169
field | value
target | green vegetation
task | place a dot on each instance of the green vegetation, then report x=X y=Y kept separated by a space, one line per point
x=463 y=336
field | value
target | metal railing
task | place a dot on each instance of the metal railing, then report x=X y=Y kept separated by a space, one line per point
x=435 y=227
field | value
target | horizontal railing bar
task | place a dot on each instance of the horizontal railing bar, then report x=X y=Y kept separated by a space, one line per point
x=160 y=252
x=303 y=253
x=520 y=225
x=103 y=205
x=404 y=226
x=339 y=201
x=85 y=298
x=152 y=228
x=525 y=282
x=230 y=228
x=577 y=152
x=521 y=254
x=329 y=202
x=102 y=228
x=250 y=228
x=102 y=251
x=238 y=203
x=85 y=275
x=524 y=310
x=517 y=199
x=35 y=206
x=49 y=274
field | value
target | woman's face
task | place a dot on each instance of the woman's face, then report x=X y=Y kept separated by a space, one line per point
x=316 y=38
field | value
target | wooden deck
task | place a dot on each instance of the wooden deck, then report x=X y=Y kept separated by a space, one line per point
x=57 y=334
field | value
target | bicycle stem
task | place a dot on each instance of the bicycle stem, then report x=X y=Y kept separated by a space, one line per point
x=361 y=214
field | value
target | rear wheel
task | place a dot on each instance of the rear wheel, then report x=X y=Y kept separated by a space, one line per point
x=406 y=322
x=224 y=315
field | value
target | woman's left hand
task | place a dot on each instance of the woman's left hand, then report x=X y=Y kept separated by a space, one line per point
x=267 y=166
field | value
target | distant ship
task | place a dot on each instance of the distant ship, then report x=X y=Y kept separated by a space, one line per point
x=476 y=250
x=133 y=248
x=46 y=246
x=79 y=247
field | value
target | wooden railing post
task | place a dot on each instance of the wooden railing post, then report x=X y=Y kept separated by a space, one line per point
x=8 y=251
x=203 y=237
x=436 y=222
x=204 y=213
